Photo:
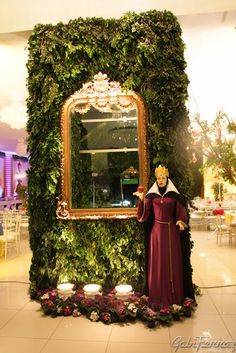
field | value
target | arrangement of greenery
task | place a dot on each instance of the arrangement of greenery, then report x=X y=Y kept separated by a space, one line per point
x=145 y=53
x=218 y=191
x=218 y=139
x=108 y=308
x=22 y=193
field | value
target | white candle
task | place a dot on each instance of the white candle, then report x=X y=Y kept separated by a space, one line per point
x=90 y=290
x=123 y=291
x=65 y=289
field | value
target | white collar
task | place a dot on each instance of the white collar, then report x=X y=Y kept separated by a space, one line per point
x=170 y=187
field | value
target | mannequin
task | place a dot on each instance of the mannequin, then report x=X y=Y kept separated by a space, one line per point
x=164 y=214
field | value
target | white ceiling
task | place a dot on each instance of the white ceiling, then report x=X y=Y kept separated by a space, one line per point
x=15 y=30
x=22 y=15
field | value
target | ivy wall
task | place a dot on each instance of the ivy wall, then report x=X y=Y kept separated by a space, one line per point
x=145 y=53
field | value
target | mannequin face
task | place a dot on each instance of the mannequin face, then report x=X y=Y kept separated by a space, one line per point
x=161 y=180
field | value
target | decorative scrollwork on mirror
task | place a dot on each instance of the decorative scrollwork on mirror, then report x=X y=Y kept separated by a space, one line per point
x=104 y=156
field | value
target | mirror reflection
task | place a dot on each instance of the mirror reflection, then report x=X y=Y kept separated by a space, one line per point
x=109 y=155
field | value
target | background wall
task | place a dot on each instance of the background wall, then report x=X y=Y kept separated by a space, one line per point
x=25 y=14
x=211 y=55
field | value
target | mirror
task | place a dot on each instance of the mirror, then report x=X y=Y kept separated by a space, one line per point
x=104 y=156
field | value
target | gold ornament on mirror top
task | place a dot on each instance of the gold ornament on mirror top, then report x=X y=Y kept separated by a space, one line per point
x=102 y=94
x=161 y=171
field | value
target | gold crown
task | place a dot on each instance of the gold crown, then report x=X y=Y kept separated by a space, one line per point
x=161 y=171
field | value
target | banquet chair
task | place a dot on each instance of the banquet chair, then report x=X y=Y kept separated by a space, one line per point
x=24 y=224
x=11 y=234
x=211 y=222
x=224 y=230
x=233 y=228
x=230 y=219
x=198 y=220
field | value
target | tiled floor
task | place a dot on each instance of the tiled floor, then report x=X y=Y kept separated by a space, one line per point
x=24 y=329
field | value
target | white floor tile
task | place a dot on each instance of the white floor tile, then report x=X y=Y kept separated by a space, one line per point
x=230 y=323
x=13 y=295
x=205 y=305
x=21 y=345
x=81 y=328
x=139 y=332
x=62 y=346
x=211 y=326
x=30 y=324
x=225 y=303
x=128 y=347
x=6 y=315
x=23 y=325
x=32 y=305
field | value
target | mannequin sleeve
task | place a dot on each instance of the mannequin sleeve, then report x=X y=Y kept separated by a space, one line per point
x=181 y=214
x=144 y=208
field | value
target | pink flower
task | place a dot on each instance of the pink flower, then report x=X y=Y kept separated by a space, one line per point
x=119 y=307
x=106 y=317
x=134 y=299
x=88 y=302
x=53 y=294
x=80 y=293
x=67 y=310
x=99 y=297
x=165 y=311
x=48 y=303
x=188 y=303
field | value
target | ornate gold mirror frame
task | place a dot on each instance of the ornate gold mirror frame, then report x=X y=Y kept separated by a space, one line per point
x=102 y=96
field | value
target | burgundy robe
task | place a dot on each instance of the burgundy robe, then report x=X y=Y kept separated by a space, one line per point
x=165 y=263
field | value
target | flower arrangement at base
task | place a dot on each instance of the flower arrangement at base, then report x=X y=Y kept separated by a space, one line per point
x=108 y=309
x=188 y=307
x=177 y=311
x=149 y=315
x=165 y=316
x=197 y=289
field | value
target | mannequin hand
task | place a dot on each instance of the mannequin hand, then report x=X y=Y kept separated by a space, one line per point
x=181 y=225
x=139 y=195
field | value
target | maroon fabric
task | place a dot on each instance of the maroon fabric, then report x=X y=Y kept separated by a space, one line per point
x=165 y=272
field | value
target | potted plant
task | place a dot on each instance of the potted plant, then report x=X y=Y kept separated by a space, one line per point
x=22 y=193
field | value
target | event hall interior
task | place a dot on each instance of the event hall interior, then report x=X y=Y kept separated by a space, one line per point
x=35 y=256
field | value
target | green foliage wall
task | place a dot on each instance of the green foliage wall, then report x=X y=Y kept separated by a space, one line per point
x=145 y=53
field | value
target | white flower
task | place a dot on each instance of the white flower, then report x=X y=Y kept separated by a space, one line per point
x=64 y=297
x=132 y=307
x=76 y=313
x=176 y=307
x=94 y=316
x=45 y=296
x=144 y=297
x=59 y=310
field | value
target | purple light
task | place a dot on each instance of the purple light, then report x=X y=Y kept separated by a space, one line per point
x=8 y=176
